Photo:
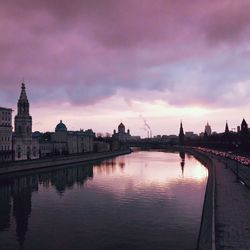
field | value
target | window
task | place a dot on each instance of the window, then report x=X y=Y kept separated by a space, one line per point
x=18 y=152
x=34 y=151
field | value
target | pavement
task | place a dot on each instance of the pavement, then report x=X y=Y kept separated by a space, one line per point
x=232 y=210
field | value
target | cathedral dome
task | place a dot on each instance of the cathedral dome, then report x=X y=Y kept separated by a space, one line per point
x=121 y=126
x=60 y=127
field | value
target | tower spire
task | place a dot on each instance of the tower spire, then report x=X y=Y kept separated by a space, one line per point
x=23 y=95
x=23 y=103
x=226 y=128
x=181 y=135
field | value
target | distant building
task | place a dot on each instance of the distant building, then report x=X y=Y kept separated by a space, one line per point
x=101 y=146
x=238 y=129
x=208 y=129
x=201 y=134
x=25 y=147
x=122 y=135
x=191 y=135
x=63 y=142
x=135 y=138
x=181 y=135
x=226 y=129
x=244 y=128
x=5 y=134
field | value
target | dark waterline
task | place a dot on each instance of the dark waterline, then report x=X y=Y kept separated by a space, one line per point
x=145 y=200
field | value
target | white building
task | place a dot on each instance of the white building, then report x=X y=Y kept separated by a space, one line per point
x=5 y=134
x=25 y=148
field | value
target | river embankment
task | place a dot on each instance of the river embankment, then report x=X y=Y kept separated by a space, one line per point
x=206 y=239
x=225 y=217
x=18 y=166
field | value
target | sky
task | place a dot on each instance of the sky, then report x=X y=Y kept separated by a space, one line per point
x=95 y=63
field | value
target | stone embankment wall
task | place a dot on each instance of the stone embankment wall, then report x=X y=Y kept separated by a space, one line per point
x=206 y=239
x=57 y=161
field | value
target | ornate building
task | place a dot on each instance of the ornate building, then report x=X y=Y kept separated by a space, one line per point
x=5 y=134
x=63 y=142
x=25 y=148
x=121 y=135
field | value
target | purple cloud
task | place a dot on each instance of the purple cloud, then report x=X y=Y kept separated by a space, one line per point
x=85 y=51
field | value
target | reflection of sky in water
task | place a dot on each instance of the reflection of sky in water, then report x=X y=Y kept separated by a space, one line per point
x=145 y=200
x=146 y=170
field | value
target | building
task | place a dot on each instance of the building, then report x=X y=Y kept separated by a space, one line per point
x=191 y=135
x=208 y=129
x=5 y=134
x=101 y=146
x=226 y=129
x=24 y=146
x=122 y=135
x=244 y=128
x=63 y=142
x=181 y=135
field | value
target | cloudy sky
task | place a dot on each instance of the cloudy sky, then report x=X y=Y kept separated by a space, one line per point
x=95 y=63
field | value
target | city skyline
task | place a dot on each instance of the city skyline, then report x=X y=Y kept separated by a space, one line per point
x=94 y=64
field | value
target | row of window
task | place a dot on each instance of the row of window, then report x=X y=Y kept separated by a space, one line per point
x=28 y=153
x=21 y=129
x=5 y=118
x=4 y=148
x=5 y=138
x=5 y=124
x=6 y=113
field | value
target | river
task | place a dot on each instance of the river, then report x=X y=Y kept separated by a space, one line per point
x=144 y=200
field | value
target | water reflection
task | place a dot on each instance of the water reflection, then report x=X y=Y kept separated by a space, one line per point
x=128 y=202
x=18 y=192
x=5 y=207
x=182 y=155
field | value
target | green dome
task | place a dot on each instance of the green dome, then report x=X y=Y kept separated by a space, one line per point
x=60 y=127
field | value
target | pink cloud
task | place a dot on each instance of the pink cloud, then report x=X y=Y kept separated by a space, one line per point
x=85 y=51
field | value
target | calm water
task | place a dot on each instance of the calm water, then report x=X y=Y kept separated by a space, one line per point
x=145 y=200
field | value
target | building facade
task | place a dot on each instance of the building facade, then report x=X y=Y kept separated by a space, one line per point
x=122 y=135
x=24 y=146
x=6 y=151
x=64 y=142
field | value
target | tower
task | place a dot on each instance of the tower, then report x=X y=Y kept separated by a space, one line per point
x=23 y=120
x=24 y=146
x=208 y=129
x=181 y=135
x=244 y=127
x=226 y=129
x=121 y=128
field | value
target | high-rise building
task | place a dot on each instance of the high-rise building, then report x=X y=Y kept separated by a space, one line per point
x=25 y=147
x=5 y=134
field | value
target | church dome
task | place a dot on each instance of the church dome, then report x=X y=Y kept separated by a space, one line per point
x=60 y=127
x=121 y=126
